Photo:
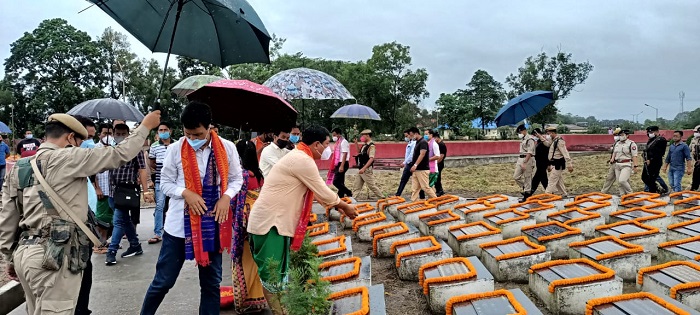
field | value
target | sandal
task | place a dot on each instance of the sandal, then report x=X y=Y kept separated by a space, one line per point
x=154 y=240
x=102 y=249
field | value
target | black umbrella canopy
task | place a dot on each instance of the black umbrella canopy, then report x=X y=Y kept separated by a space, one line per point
x=108 y=108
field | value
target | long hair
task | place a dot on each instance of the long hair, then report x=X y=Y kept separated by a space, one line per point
x=249 y=158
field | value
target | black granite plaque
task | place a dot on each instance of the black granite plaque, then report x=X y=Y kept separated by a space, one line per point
x=605 y=247
x=529 y=206
x=436 y=217
x=514 y=247
x=683 y=274
x=544 y=231
x=634 y=307
x=559 y=218
x=474 y=229
x=414 y=246
x=505 y=216
x=331 y=245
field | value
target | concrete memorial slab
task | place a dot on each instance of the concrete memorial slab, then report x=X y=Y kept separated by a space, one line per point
x=438 y=224
x=637 y=196
x=501 y=202
x=359 y=300
x=623 y=257
x=333 y=214
x=362 y=209
x=685 y=249
x=650 y=217
x=599 y=196
x=334 y=248
x=536 y=209
x=684 y=215
x=509 y=221
x=447 y=278
x=411 y=254
x=500 y=302
x=322 y=231
x=683 y=230
x=385 y=235
x=637 y=303
x=683 y=195
x=634 y=232
x=474 y=211
x=409 y=213
x=465 y=238
x=347 y=273
x=362 y=225
x=655 y=204
x=605 y=208
x=564 y=286
x=687 y=203
x=390 y=204
x=556 y=200
x=576 y=218
x=446 y=202
x=555 y=236
x=509 y=260
x=680 y=280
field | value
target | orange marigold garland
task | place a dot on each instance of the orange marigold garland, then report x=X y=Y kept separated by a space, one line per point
x=649 y=229
x=679 y=242
x=376 y=238
x=631 y=248
x=442 y=200
x=491 y=230
x=425 y=283
x=324 y=228
x=341 y=248
x=682 y=224
x=367 y=219
x=486 y=206
x=383 y=203
x=435 y=247
x=593 y=196
x=678 y=287
x=494 y=199
x=411 y=209
x=544 y=238
x=588 y=215
x=545 y=198
x=535 y=248
x=591 y=304
x=684 y=211
x=521 y=215
x=607 y=273
x=364 y=293
x=637 y=196
x=653 y=214
x=354 y=272
x=453 y=217
x=519 y=309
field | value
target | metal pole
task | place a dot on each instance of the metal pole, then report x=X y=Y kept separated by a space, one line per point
x=180 y=3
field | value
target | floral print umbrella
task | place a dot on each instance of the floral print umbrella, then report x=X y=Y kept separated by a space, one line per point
x=307 y=84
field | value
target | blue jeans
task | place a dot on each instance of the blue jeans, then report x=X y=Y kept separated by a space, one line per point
x=170 y=260
x=122 y=225
x=158 y=213
x=674 y=178
x=405 y=176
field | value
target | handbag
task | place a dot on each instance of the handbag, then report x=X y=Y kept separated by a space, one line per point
x=127 y=196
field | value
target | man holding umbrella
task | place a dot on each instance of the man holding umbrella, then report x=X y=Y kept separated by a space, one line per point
x=526 y=162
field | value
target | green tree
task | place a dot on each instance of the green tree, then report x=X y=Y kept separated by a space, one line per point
x=484 y=96
x=558 y=73
x=121 y=63
x=454 y=111
x=52 y=69
x=191 y=66
x=143 y=89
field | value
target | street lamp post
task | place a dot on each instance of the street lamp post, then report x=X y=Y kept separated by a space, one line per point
x=12 y=123
x=657 y=111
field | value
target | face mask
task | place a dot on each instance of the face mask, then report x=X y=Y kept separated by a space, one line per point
x=363 y=138
x=335 y=139
x=520 y=135
x=29 y=136
x=117 y=140
x=426 y=137
x=164 y=135
x=282 y=143
x=623 y=137
x=407 y=139
x=196 y=143
x=651 y=136
x=294 y=138
x=548 y=137
x=696 y=135
x=326 y=155
x=617 y=138
x=88 y=144
x=108 y=140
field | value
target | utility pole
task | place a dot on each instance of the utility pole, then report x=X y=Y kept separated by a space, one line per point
x=657 y=111
x=681 y=95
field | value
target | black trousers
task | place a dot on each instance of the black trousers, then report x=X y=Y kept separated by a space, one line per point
x=81 y=308
x=339 y=180
x=649 y=175
x=540 y=177
x=696 y=178
x=405 y=176
x=438 y=184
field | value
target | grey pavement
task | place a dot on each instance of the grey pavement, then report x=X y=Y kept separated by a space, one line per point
x=120 y=289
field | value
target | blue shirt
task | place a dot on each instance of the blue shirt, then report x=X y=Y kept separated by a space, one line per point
x=409 y=152
x=4 y=150
x=677 y=155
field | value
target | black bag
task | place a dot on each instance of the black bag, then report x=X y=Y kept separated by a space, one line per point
x=127 y=197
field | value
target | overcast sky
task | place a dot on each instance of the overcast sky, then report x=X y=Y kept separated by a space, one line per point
x=643 y=51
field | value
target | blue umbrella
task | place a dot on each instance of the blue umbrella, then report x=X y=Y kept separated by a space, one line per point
x=523 y=107
x=356 y=111
x=4 y=128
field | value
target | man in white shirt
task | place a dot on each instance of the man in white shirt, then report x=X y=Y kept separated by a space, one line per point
x=198 y=215
x=408 y=134
x=273 y=153
x=341 y=163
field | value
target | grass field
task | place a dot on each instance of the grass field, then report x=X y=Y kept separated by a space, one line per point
x=478 y=180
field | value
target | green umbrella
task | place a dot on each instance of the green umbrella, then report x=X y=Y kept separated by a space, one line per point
x=221 y=32
x=190 y=84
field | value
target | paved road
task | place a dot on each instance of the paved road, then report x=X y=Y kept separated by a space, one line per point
x=120 y=289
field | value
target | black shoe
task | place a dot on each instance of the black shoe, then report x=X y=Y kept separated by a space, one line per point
x=111 y=258
x=663 y=192
x=133 y=251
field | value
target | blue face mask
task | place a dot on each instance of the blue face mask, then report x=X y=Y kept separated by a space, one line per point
x=294 y=138
x=88 y=144
x=196 y=143
x=164 y=135
x=426 y=137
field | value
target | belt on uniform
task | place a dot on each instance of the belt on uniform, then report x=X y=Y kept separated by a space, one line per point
x=523 y=156
x=623 y=161
x=30 y=240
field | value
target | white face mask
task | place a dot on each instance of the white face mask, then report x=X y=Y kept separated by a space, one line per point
x=651 y=136
x=548 y=137
x=623 y=137
x=326 y=155
x=520 y=135
x=108 y=140
x=696 y=134
x=335 y=139
x=617 y=138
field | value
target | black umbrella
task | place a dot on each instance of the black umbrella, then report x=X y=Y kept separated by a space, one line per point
x=221 y=32
x=107 y=108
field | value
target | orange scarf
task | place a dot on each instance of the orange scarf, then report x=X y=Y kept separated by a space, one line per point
x=300 y=231
x=193 y=182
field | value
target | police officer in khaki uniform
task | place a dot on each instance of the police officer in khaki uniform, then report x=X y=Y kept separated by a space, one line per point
x=695 y=153
x=365 y=159
x=624 y=158
x=610 y=179
x=526 y=162
x=559 y=159
x=32 y=223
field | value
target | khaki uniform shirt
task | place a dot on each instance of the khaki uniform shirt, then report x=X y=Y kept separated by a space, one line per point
x=66 y=170
x=695 y=149
x=624 y=150
x=527 y=145
x=560 y=151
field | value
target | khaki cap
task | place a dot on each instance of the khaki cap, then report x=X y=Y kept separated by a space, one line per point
x=70 y=122
x=551 y=128
x=697 y=128
x=366 y=132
